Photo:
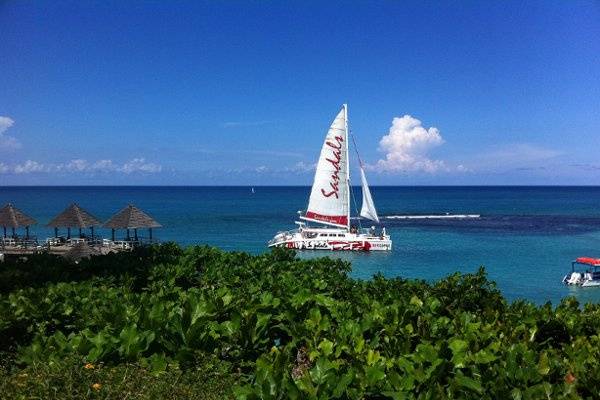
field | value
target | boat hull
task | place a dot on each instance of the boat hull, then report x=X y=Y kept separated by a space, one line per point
x=582 y=280
x=349 y=242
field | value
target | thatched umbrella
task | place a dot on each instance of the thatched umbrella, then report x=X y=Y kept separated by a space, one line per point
x=79 y=251
x=131 y=217
x=11 y=217
x=74 y=217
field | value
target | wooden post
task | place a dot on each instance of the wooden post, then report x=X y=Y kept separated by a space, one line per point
x=113 y=234
x=92 y=229
x=27 y=232
x=55 y=232
x=135 y=234
x=128 y=234
x=13 y=232
x=4 y=231
x=150 y=233
x=69 y=233
x=79 y=232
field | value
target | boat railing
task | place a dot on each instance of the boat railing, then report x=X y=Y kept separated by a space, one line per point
x=281 y=235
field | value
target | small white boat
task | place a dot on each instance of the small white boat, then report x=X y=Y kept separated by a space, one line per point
x=584 y=278
x=329 y=203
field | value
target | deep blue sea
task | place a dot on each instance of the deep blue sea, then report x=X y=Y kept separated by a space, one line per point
x=526 y=237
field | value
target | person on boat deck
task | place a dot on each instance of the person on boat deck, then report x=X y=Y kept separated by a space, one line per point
x=383 y=232
x=353 y=229
x=372 y=230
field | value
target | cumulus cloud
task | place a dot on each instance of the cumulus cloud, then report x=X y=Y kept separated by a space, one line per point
x=6 y=141
x=406 y=146
x=136 y=165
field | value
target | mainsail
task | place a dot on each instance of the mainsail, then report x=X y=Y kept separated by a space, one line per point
x=368 y=207
x=329 y=198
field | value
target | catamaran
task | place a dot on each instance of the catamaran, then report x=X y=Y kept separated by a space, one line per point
x=329 y=203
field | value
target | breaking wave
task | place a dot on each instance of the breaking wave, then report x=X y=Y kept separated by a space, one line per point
x=435 y=216
x=493 y=224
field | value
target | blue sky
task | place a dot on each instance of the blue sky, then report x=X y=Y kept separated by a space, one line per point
x=224 y=93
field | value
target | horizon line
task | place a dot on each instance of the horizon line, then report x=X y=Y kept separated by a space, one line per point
x=285 y=186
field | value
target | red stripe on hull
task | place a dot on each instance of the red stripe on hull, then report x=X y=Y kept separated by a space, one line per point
x=334 y=219
x=335 y=245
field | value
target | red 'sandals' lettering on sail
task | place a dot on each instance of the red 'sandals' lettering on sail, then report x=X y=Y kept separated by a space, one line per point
x=335 y=162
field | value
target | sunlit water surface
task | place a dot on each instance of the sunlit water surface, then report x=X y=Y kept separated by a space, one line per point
x=526 y=237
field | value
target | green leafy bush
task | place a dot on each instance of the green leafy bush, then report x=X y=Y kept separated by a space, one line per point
x=290 y=328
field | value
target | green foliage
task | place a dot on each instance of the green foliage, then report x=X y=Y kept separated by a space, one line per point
x=70 y=379
x=291 y=328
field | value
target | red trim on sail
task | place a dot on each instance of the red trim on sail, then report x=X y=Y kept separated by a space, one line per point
x=334 y=219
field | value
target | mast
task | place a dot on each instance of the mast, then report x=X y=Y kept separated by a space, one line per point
x=329 y=198
x=347 y=165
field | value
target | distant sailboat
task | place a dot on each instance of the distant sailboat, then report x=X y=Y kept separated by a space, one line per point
x=329 y=203
x=252 y=191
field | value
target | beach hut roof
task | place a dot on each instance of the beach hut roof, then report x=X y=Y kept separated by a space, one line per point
x=74 y=217
x=131 y=217
x=79 y=251
x=11 y=217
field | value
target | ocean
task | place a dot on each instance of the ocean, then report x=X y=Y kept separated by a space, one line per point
x=526 y=237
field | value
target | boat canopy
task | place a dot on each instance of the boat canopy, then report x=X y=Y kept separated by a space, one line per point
x=595 y=262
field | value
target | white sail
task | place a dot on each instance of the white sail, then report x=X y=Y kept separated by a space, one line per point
x=329 y=197
x=368 y=207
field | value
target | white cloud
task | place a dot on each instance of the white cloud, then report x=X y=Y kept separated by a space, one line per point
x=406 y=147
x=243 y=124
x=77 y=165
x=103 y=166
x=136 y=165
x=139 y=165
x=30 y=166
x=6 y=141
x=301 y=166
x=5 y=123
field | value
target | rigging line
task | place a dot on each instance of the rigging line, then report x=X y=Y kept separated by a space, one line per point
x=356 y=149
x=350 y=186
x=355 y=207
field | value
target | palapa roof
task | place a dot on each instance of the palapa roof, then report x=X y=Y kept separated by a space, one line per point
x=11 y=217
x=79 y=251
x=131 y=217
x=74 y=217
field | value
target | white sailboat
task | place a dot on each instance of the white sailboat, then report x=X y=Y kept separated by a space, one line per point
x=329 y=203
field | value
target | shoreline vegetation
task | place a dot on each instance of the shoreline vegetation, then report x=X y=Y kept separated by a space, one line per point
x=201 y=323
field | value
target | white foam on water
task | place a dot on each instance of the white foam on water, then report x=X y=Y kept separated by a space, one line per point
x=439 y=216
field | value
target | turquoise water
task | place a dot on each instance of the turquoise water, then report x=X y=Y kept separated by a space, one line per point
x=526 y=237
